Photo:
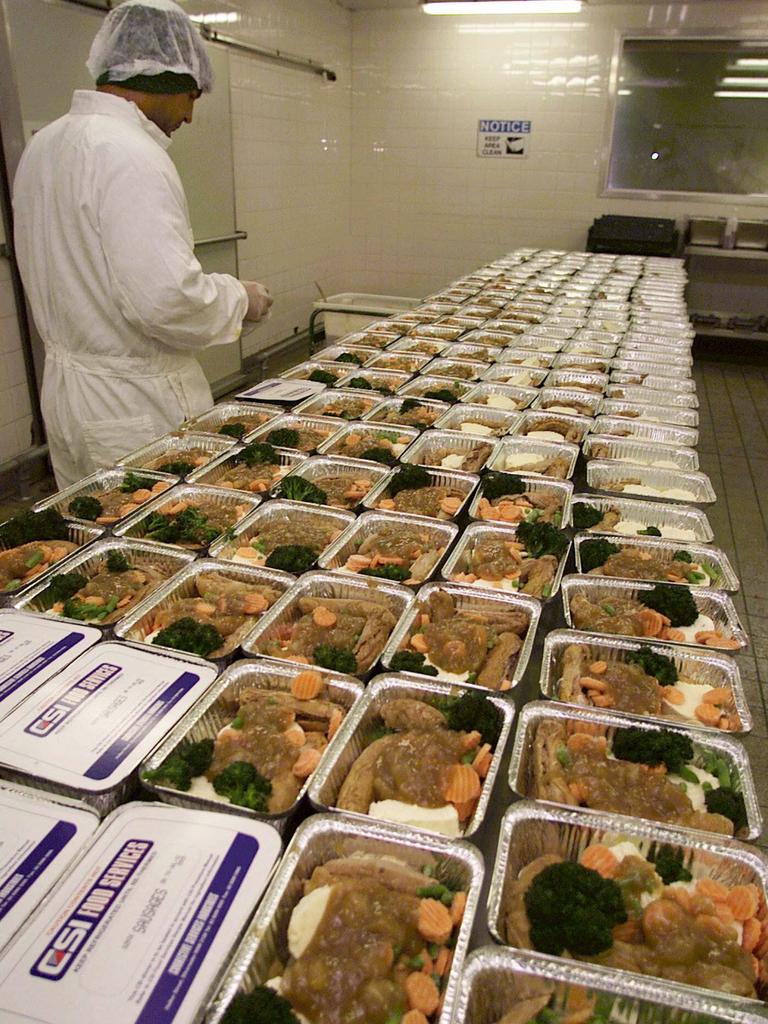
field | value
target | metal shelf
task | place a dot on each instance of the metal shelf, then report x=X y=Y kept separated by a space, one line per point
x=733 y=254
x=735 y=335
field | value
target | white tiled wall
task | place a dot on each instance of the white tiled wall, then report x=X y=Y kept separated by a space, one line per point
x=15 y=409
x=292 y=157
x=425 y=207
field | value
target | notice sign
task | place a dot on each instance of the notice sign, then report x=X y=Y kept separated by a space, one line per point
x=497 y=137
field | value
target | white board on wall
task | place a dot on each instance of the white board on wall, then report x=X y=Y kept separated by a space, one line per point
x=50 y=43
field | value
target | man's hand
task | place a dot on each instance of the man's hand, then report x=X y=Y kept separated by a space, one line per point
x=259 y=300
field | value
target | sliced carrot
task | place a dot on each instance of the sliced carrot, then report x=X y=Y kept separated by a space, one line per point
x=306 y=685
x=422 y=993
x=597 y=668
x=434 y=921
x=324 y=617
x=742 y=899
x=673 y=695
x=418 y=643
x=650 y=621
x=443 y=961
x=708 y=714
x=414 y=1017
x=306 y=762
x=717 y=695
x=335 y=722
x=712 y=889
x=458 y=905
x=750 y=935
x=462 y=783
x=600 y=859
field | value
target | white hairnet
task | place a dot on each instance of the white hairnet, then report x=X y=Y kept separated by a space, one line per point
x=148 y=37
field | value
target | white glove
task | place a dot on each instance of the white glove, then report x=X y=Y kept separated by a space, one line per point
x=259 y=300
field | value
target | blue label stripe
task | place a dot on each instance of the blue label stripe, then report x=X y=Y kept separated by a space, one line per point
x=173 y=984
x=117 y=752
x=31 y=668
x=34 y=864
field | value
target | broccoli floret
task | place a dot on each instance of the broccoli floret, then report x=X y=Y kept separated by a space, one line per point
x=28 y=526
x=339 y=659
x=283 y=437
x=262 y=1006
x=66 y=585
x=542 y=539
x=409 y=404
x=178 y=770
x=257 y=455
x=649 y=531
x=657 y=665
x=296 y=488
x=379 y=455
x=360 y=383
x=572 y=907
x=323 y=377
x=86 y=507
x=132 y=482
x=596 y=552
x=117 y=562
x=497 y=485
x=585 y=516
x=173 y=772
x=178 y=467
x=729 y=803
x=669 y=866
x=407 y=478
x=233 y=430
x=674 y=601
x=398 y=573
x=442 y=395
x=349 y=357
x=189 y=525
x=646 y=746
x=244 y=786
x=295 y=558
x=682 y=556
x=411 y=661
x=471 y=711
x=189 y=635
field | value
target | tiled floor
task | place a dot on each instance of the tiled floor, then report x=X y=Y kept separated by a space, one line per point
x=733 y=450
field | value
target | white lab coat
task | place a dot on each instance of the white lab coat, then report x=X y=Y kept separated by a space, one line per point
x=104 y=245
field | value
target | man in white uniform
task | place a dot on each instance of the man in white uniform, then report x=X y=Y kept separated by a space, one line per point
x=105 y=248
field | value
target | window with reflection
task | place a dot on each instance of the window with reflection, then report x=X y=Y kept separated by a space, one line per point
x=691 y=115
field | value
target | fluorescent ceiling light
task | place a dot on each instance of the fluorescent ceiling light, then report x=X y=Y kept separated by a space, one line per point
x=216 y=18
x=752 y=62
x=730 y=94
x=501 y=6
x=749 y=82
x=625 y=92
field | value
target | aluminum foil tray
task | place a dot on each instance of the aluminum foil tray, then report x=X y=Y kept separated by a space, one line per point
x=591 y=381
x=318 y=840
x=654 y=354
x=579 y=363
x=318 y=405
x=512 y=328
x=484 y=393
x=136 y=626
x=280 y=511
x=649 y=367
x=653 y=513
x=456 y=369
x=557 y=401
x=498 y=421
x=90 y=559
x=385 y=361
x=649 y=396
x=421 y=346
x=530 y=830
x=419 y=385
x=424 y=451
x=335 y=444
x=377 y=414
x=532 y=483
x=441 y=535
x=464 y=483
x=318 y=466
x=639 y=452
x=77 y=533
x=303 y=371
x=659 y=433
x=604 y=475
x=724 y=577
x=718 y=606
x=457 y=563
x=540 y=342
x=293 y=421
x=210 y=475
x=708 y=668
x=726 y=747
x=97 y=483
x=528 y=357
x=370 y=339
x=215 y=711
x=521 y=446
x=436 y=330
x=144 y=458
x=559 y=333
x=211 y=422
x=517 y=376
x=472 y=352
x=135 y=526
x=330 y=353
x=329 y=776
x=470 y=599
x=386 y=382
x=677 y=386
x=531 y=419
x=326 y=585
